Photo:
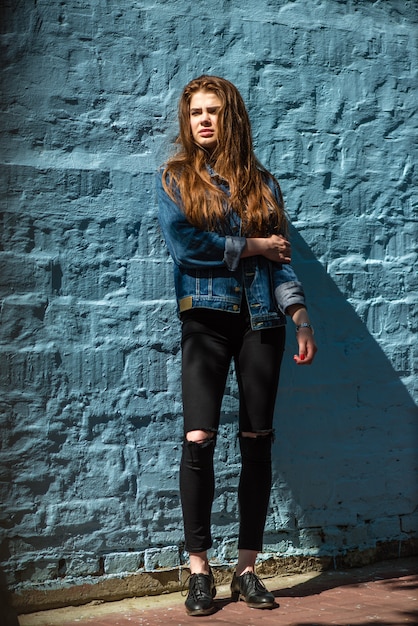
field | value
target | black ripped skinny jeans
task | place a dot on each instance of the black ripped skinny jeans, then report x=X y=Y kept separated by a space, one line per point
x=210 y=340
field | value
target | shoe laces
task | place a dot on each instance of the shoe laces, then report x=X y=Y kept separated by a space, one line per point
x=195 y=587
x=254 y=582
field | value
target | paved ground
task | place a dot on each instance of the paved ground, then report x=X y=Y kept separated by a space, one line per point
x=383 y=594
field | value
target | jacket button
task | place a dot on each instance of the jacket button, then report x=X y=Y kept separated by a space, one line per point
x=237 y=289
x=235 y=307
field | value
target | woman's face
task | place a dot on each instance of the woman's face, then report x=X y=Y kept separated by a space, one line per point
x=204 y=110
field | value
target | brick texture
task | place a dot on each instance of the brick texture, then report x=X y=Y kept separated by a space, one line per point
x=89 y=346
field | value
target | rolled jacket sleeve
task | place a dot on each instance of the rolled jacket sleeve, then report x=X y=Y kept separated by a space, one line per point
x=233 y=250
x=288 y=289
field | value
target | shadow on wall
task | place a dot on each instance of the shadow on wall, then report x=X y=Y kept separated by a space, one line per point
x=354 y=461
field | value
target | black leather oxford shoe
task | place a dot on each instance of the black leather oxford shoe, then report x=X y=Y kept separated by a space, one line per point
x=202 y=590
x=249 y=588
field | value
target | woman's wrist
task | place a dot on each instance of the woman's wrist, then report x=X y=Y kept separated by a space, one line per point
x=303 y=326
x=253 y=247
x=299 y=315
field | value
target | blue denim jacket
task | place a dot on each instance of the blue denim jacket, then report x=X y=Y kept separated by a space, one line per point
x=209 y=271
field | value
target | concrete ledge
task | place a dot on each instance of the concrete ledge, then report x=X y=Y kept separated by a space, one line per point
x=76 y=592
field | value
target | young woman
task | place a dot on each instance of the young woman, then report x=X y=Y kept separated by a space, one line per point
x=224 y=223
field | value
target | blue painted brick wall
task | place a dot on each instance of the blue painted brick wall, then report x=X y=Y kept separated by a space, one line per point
x=89 y=352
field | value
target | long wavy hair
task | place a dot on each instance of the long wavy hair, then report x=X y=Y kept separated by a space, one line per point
x=204 y=204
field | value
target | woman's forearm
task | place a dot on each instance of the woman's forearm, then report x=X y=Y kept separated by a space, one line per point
x=298 y=313
x=276 y=248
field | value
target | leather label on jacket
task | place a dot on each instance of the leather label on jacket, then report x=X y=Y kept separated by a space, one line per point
x=185 y=304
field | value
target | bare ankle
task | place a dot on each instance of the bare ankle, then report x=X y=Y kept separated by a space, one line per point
x=199 y=563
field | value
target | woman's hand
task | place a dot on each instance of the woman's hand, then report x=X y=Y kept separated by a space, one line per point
x=304 y=336
x=307 y=347
x=275 y=248
x=278 y=249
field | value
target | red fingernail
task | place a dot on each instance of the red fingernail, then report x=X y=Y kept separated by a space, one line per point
x=302 y=357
